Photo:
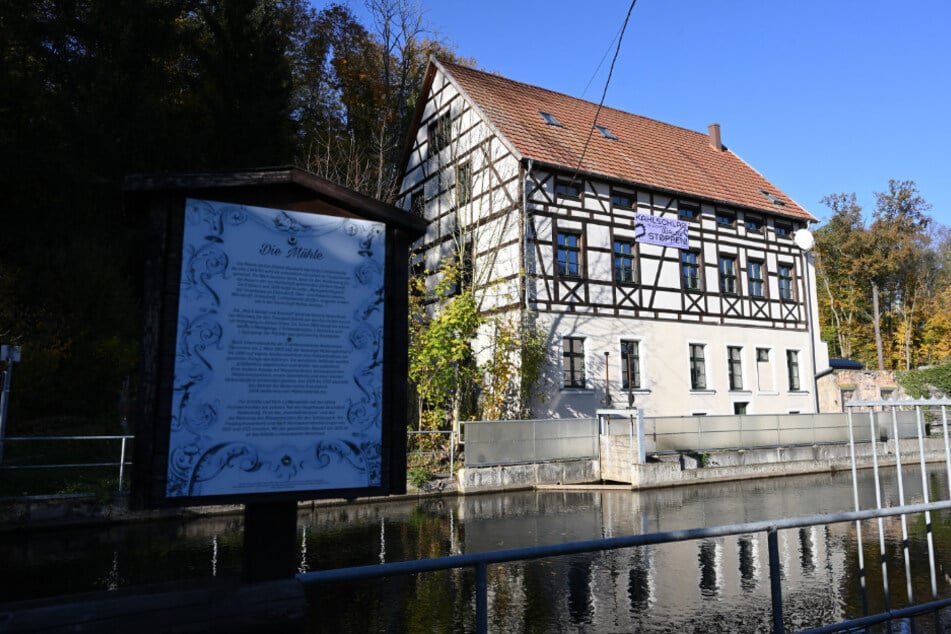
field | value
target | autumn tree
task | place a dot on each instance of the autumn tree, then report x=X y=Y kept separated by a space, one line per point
x=359 y=88
x=935 y=335
x=896 y=263
x=841 y=294
x=92 y=91
x=876 y=281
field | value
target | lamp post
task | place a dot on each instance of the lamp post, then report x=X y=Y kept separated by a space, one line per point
x=607 y=381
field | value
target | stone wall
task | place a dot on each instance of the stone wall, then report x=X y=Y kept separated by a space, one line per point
x=865 y=385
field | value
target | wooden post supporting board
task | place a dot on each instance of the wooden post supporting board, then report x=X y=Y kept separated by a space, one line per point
x=270 y=541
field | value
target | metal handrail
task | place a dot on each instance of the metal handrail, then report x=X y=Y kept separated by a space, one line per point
x=452 y=444
x=122 y=454
x=479 y=561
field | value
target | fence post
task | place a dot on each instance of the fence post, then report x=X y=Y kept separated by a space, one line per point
x=641 y=440
x=775 y=581
x=122 y=464
x=452 y=452
x=10 y=354
x=699 y=420
x=482 y=598
x=630 y=452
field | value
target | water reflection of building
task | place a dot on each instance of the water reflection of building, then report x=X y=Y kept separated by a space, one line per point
x=725 y=578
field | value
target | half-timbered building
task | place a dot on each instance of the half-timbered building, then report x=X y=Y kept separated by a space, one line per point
x=666 y=271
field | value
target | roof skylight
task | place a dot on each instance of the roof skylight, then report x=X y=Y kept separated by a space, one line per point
x=550 y=119
x=605 y=132
x=772 y=198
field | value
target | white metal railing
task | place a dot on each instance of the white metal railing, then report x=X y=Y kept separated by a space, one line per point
x=121 y=464
x=856 y=411
x=479 y=562
x=452 y=440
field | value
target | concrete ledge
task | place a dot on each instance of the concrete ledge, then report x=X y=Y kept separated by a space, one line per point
x=527 y=476
x=665 y=474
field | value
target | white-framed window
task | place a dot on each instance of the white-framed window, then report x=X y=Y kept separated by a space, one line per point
x=734 y=355
x=764 y=370
x=728 y=274
x=698 y=366
x=785 y=272
x=754 y=271
x=630 y=364
x=569 y=254
x=690 y=270
x=572 y=353
x=792 y=369
x=624 y=254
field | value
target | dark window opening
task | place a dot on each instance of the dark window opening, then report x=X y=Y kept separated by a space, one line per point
x=567 y=189
x=439 y=132
x=726 y=218
x=622 y=199
x=416 y=203
x=464 y=183
x=688 y=212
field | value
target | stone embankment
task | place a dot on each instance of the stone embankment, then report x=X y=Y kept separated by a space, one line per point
x=614 y=469
x=617 y=466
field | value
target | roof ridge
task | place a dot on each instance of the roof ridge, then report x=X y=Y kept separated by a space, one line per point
x=648 y=151
x=494 y=75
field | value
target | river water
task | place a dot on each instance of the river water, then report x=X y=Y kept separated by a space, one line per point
x=714 y=585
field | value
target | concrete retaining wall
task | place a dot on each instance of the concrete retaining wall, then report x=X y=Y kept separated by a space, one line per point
x=618 y=455
x=617 y=465
x=527 y=476
x=781 y=461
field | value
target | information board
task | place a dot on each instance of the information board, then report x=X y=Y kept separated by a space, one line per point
x=278 y=358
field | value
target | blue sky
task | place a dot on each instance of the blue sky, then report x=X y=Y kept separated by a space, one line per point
x=821 y=96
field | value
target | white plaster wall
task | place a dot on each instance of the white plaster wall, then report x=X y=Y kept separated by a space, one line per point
x=665 y=369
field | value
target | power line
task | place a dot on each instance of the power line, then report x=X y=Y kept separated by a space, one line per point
x=607 y=51
x=607 y=83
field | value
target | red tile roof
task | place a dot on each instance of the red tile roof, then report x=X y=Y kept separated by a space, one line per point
x=647 y=152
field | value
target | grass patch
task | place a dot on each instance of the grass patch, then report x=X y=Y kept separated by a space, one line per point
x=103 y=482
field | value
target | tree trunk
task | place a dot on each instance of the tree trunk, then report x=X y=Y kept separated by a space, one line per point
x=877 y=324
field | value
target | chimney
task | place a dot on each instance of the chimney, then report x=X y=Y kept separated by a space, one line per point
x=714 y=129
